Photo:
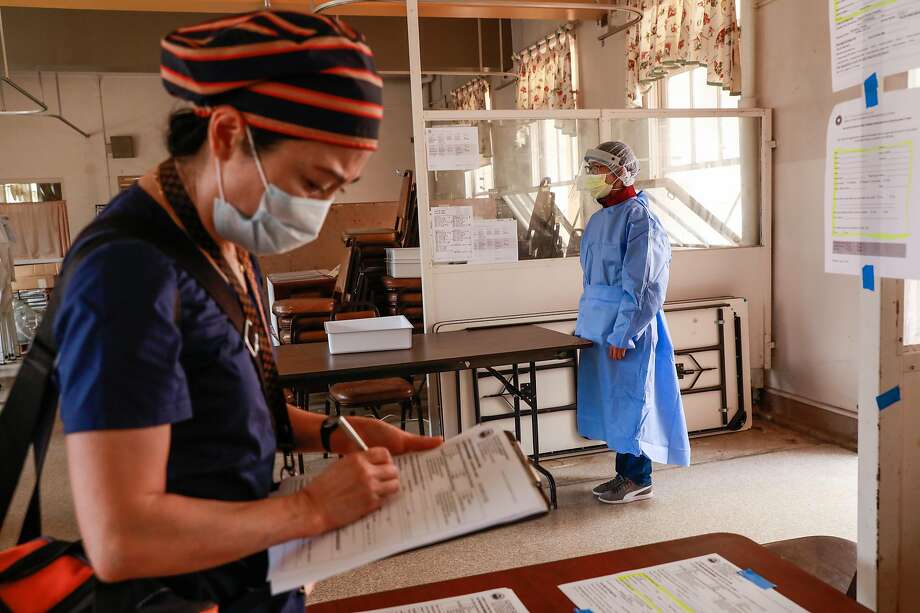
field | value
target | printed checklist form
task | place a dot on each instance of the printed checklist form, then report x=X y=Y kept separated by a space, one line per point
x=472 y=482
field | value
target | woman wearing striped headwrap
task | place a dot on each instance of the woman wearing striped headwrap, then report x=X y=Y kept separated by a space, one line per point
x=173 y=415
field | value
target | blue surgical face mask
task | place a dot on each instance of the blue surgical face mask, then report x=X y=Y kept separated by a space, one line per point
x=281 y=223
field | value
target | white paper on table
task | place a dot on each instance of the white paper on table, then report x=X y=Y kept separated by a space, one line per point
x=474 y=481
x=502 y=600
x=871 y=196
x=453 y=148
x=452 y=233
x=495 y=241
x=867 y=36
x=709 y=584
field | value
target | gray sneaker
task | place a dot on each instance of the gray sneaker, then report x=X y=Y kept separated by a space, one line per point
x=606 y=486
x=624 y=491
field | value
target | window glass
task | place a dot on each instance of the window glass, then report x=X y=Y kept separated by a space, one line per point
x=13 y=193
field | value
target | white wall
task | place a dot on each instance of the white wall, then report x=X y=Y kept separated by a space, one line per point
x=137 y=105
x=815 y=314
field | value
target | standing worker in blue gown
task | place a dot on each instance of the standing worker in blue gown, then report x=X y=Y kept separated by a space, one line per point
x=628 y=393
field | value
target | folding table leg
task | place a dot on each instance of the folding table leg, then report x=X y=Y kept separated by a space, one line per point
x=459 y=410
x=516 y=381
x=421 y=419
x=535 y=435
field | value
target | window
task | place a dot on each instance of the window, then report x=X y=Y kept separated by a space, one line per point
x=911 y=334
x=698 y=182
x=689 y=90
x=913 y=77
x=15 y=193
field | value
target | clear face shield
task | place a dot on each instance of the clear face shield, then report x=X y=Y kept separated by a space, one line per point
x=590 y=185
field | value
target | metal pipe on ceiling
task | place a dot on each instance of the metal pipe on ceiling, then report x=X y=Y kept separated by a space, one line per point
x=636 y=18
x=41 y=108
x=603 y=5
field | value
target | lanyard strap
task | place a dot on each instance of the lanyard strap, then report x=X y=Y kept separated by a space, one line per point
x=255 y=334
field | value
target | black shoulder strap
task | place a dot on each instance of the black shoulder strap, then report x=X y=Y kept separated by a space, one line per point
x=28 y=416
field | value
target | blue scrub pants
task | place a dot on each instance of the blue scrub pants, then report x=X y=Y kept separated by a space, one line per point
x=637 y=469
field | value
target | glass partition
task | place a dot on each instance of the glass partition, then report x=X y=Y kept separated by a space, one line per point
x=525 y=177
x=701 y=171
x=702 y=176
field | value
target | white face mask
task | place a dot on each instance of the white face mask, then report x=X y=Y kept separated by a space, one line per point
x=281 y=223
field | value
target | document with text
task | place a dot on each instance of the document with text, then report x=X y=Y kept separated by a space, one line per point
x=501 y=600
x=474 y=481
x=869 y=36
x=871 y=197
x=707 y=584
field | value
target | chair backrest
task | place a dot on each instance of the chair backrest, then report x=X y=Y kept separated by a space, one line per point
x=402 y=205
x=408 y=236
x=341 y=281
x=362 y=310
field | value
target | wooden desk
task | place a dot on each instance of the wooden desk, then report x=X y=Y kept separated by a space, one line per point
x=311 y=368
x=536 y=585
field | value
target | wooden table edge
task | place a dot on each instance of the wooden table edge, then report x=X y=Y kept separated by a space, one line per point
x=530 y=582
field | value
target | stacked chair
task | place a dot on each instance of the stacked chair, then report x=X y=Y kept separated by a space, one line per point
x=304 y=301
x=369 y=247
x=404 y=297
x=301 y=315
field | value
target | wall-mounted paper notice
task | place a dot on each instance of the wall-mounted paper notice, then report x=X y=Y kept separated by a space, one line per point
x=869 y=36
x=452 y=231
x=453 y=148
x=495 y=241
x=871 y=199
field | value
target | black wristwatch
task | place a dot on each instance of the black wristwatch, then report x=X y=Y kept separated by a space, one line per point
x=330 y=425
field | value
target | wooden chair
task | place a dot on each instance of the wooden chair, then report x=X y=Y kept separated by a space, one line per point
x=372 y=394
x=301 y=318
x=404 y=297
x=388 y=237
x=831 y=559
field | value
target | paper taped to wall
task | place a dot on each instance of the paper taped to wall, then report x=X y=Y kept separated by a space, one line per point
x=452 y=233
x=495 y=241
x=869 y=36
x=453 y=148
x=870 y=190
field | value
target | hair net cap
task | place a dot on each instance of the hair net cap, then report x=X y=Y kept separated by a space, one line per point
x=618 y=157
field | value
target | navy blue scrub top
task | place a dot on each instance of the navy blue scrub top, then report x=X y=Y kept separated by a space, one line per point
x=127 y=359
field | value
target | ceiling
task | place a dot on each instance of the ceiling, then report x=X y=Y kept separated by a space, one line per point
x=126 y=41
x=503 y=9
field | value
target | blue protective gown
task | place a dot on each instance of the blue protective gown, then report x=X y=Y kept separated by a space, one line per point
x=633 y=404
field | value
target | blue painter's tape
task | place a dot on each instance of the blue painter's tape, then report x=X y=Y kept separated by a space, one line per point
x=888 y=398
x=870 y=87
x=868 y=275
x=756 y=579
x=577 y=610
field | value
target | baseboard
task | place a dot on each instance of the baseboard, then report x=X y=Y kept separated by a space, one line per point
x=809 y=419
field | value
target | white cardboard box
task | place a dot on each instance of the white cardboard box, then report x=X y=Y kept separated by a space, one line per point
x=370 y=334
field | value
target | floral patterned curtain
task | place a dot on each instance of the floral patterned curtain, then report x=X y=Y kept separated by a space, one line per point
x=473 y=96
x=545 y=74
x=677 y=33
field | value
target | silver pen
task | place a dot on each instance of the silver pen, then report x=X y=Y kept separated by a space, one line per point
x=352 y=434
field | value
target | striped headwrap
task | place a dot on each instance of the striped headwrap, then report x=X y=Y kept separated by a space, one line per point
x=302 y=75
